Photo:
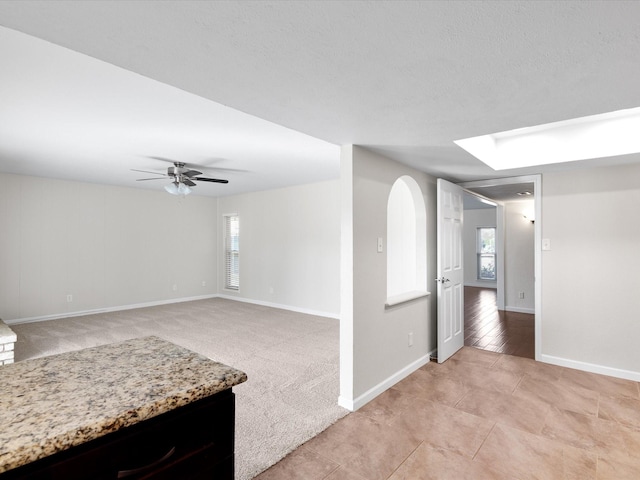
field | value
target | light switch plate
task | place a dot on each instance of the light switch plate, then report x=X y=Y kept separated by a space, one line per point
x=379 y=244
x=546 y=244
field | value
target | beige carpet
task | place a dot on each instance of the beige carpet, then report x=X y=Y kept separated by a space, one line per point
x=291 y=360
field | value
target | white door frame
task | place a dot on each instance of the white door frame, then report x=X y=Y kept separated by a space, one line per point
x=537 y=190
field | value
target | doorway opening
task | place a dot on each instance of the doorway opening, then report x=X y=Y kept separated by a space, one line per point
x=504 y=315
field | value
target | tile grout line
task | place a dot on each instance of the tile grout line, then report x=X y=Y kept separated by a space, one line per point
x=332 y=471
x=484 y=441
x=498 y=357
x=403 y=461
x=319 y=455
x=461 y=398
x=522 y=375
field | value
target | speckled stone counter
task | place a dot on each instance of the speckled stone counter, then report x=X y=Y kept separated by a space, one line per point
x=51 y=404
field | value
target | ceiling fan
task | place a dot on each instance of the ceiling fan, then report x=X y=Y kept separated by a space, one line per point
x=182 y=178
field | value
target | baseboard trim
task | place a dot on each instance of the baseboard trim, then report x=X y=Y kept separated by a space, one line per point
x=354 y=404
x=591 y=367
x=80 y=313
x=520 y=310
x=94 y=311
x=308 y=311
x=481 y=284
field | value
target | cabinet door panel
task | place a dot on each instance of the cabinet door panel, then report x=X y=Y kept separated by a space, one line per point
x=189 y=442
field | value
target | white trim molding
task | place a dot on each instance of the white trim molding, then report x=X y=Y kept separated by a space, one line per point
x=405 y=297
x=43 y=318
x=591 y=367
x=354 y=404
x=308 y=311
x=532 y=311
x=482 y=284
x=80 y=313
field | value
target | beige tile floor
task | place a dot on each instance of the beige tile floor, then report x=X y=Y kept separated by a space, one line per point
x=482 y=415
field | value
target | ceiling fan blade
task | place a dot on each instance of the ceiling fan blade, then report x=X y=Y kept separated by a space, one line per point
x=147 y=171
x=215 y=180
x=205 y=165
x=224 y=169
x=191 y=173
x=208 y=164
x=143 y=179
x=162 y=159
x=188 y=182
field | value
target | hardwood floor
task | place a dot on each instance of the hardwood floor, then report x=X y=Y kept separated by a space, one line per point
x=495 y=330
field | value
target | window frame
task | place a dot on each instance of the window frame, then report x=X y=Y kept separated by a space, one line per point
x=231 y=256
x=480 y=254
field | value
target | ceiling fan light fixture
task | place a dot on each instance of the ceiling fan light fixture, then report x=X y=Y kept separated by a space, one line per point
x=172 y=188
x=177 y=188
x=183 y=189
x=182 y=178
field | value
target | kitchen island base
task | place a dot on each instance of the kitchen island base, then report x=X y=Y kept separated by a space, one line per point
x=192 y=442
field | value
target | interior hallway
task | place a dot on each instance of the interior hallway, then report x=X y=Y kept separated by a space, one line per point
x=481 y=415
x=499 y=331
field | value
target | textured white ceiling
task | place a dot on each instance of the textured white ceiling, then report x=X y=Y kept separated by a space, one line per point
x=402 y=78
x=67 y=115
x=506 y=193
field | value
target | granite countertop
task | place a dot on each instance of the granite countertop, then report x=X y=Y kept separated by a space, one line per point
x=50 y=404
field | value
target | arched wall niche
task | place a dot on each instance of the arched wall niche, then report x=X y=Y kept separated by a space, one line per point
x=406 y=241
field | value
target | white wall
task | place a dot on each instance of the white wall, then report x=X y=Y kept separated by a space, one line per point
x=519 y=258
x=473 y=219
x=591 y=279
x=106 y=246
x=289 y=242
x=374 y=351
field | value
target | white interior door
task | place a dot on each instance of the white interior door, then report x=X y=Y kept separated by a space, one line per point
x=450 y=279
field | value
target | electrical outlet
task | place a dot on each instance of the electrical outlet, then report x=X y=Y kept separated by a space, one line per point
x=411 y=339
x=175 y=287
x=270 y=289
x=204 y=284
x=379 y=244
x=69 y=298
x=521 y=295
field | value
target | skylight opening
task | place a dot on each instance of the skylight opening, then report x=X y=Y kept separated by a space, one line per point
x=596 y=136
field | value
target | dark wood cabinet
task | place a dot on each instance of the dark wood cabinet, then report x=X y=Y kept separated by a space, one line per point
x=193 y=442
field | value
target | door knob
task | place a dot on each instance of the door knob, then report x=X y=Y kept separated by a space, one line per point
x=442 y=280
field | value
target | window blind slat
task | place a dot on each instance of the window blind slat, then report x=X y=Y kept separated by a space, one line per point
x=232 y=251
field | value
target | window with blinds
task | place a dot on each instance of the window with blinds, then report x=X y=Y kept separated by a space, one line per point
x=486 y=253
x=231 y=252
